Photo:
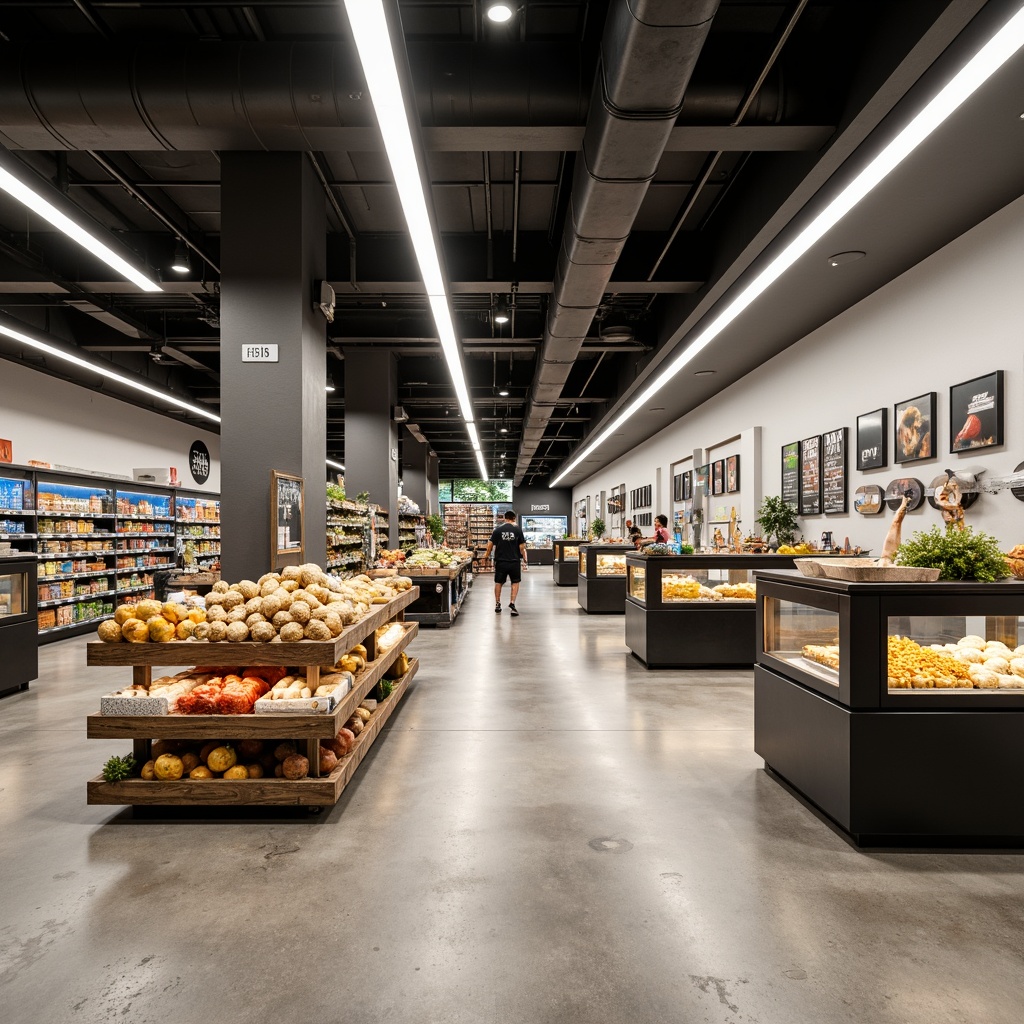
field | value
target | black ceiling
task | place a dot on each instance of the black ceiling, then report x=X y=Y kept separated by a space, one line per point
x=125 y=107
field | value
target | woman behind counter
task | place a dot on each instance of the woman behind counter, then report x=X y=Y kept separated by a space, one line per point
x=661 y=534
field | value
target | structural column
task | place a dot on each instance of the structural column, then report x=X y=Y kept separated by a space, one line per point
x=414 y=470
x=433 y=471
x=273 y=249
x=371 y=434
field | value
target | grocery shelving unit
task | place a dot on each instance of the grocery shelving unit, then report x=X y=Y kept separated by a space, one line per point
x=17 y=510
x=380 y=520
x=315 y=791
x=348 y=540
x=197 y=530
x=407 y=523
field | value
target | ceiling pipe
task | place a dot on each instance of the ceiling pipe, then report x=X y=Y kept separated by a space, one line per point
x=307 y=96
x=648 y=52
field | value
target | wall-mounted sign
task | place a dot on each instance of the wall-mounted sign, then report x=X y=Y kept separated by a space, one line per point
x=810 y=476
x=833 y=471
x=791 y=473
x=259 y=353
x=540 y=508
x=199 y=462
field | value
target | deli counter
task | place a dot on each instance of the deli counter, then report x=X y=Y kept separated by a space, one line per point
x=601 y=578
x=566 y=566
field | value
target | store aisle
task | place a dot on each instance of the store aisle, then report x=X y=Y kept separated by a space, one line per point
x=545 y=833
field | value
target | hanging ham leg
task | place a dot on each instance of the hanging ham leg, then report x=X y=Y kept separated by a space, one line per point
x=892 y=538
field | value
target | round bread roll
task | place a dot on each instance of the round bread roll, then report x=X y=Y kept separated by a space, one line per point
x=202 y=631
x=985 y=680
x=237 y=632
x=218 y=613
x=248 y=589
x=185 y=630
x=1010 y=682
x=969 y=654
x=1017 y=667
x=218 y=632
x=263 y=632
x=281 y=619
x=975 y=642
x=291 y=632
x=1000 y=666
x=110 y=632
x=300 y=611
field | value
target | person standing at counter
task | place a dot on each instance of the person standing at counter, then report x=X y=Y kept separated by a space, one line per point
x=661 y=534
x=509 y=545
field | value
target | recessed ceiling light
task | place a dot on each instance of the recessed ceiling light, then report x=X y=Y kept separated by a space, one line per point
x=503 y=392
x=846 y=257
x=499 y=12
x=180 y=264
x=703 y=373
x=503 y=430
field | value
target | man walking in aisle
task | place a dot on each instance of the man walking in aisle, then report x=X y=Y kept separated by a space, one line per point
x=509 y=546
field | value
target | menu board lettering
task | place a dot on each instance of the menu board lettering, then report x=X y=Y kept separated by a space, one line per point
x=833 y=470
x=791 y=474
x=810 y=476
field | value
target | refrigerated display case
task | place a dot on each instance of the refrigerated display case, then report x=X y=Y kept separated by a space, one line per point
x=897 y=709
x=602 y=578
x=566 y=561
x=692 y=610
x=541 y=532
x=18 y=639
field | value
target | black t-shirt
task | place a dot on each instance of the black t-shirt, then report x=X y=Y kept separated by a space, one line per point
x=506 y=540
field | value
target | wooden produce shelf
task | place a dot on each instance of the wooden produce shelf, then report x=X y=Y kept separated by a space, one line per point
x=243 y=727
x=308 y=792
x=323 y=653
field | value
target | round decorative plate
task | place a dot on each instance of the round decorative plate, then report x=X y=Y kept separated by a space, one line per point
x=904 y=485
x=1018 y=492
x=968 y=494
x=867 y=500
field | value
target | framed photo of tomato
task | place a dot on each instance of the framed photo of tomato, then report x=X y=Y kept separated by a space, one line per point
x=976 y=413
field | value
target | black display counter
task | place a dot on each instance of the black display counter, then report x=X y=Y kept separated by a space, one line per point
x=540 y=556
x=19 y=637
x=686 y=611
x=601 y=578
x=566 y=562
x=442 y=592
x=897 y=743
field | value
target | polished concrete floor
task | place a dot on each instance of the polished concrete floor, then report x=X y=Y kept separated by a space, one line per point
x=544 y=833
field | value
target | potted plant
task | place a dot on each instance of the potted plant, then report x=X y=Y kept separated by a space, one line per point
x=597 y=528
x=778 y=519
x=435 y=524
x=957 y=554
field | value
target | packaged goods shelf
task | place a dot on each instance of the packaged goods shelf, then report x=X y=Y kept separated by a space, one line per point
x=77 y=597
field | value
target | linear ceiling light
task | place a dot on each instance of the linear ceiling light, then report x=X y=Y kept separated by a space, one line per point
x=372 y=36
x=475 y=441
x=103 y=371
x=996 y=52
x=335 y=465
x=19 y=190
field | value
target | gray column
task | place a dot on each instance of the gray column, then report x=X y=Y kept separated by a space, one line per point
x=371 y=435
x=273 y=247
x=433 y=506
x=414 y=469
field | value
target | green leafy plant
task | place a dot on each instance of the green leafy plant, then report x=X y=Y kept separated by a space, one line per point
x=686 y=549
x=118 y=768
x=778 y=519
x=363 y=496
x=335 y=492
x=597 y=528
x=957 y=554
x=435 y=524
x=384 y=689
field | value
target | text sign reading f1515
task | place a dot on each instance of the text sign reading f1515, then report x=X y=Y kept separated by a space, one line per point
x=259 y=353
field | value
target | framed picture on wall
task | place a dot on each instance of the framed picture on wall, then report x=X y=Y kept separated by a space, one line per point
x=732 y=474
x=718 y=477
x=791 y=474
x=873 y=439
x=833 y=471
x=700 y=480
x=913 y=423
x=677 y=487
x=810 y=476
x=976 y=413
x=287 y=519
x=687 y=485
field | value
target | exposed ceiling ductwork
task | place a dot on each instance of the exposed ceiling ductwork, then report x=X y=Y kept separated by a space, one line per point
x=648 y=53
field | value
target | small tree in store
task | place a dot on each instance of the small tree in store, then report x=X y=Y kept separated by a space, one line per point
x=435 y=524
x=597 y=528
x=778 y=519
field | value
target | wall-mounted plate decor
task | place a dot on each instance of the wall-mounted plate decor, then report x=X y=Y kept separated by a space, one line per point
x=1018 y=492
x=904 y=485
x=867 y=500
x=969 y=492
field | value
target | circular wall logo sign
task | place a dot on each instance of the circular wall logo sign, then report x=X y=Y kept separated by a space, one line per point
x=199 y=462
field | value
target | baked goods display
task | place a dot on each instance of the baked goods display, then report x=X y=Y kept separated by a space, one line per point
x=676 y=587
x=301 y=602
x=822 y=654
x=971 y=663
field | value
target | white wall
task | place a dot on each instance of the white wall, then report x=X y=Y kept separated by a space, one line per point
x=955 y=316
x=54 y=421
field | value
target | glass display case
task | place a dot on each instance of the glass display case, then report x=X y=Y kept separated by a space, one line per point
x=602 y=578
x=18 y=639
x=541 y=532
x=890 y=706
x=17 y=513
x=693 y=610
x=566 y=555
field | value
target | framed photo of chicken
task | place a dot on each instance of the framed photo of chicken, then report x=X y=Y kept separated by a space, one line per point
x=914 y=426
x=976 y=413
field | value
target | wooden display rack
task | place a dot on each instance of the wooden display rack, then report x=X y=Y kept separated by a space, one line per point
x=314 y=790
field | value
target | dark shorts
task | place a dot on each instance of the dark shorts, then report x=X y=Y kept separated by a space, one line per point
x=507 y=571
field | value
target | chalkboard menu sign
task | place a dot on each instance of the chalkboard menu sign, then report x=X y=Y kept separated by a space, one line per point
x=810 y=476
x=791 y=474
x=833 y=471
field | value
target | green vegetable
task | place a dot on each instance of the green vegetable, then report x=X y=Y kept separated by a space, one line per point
x=336 y=492
x=686 y=549
x=384 y=688
x=957 y=554
x=118 y=768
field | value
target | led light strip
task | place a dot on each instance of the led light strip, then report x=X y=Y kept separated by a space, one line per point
x=996 y=52
x=17 y=189
x=372 y=37
x=103 y=371
x=335 y=465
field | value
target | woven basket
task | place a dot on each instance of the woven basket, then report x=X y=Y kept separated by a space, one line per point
x=1016 y=566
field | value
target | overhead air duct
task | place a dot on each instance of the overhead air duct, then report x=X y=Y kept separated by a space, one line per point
x=648 y=53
